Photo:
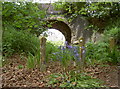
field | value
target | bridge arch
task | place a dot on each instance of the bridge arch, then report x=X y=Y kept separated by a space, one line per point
x=62 y=26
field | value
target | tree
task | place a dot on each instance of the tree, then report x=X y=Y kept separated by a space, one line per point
x=23 y=16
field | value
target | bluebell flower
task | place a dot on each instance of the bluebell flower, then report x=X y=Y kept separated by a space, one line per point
x=59 y=47
x=75 y=51
x=76 y=55
x=74 y=47
x=82 y=47
x=66 y=43
x=63 y=48
x=54 y=53
x=68 y=46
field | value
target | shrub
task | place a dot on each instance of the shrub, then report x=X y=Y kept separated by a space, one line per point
x=24 y=16
x=19 y=41
x=101 y=51
x=113 y=32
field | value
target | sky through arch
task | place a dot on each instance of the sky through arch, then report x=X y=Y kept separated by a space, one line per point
x=55 y=36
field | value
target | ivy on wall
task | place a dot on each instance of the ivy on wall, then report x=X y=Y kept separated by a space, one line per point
x=93 y=11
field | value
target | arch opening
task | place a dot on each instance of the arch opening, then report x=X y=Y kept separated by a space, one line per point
x=55 y=36
x=62 y=27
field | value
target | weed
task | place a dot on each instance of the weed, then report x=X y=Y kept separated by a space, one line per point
x=20 y=66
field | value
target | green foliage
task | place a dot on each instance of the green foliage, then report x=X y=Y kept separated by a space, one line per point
x=19 y=41
x=100 y=9
x=91 y=10
x=66 y=55
x=59 y=5
x=63 y=56
x=54 y=53
x=22 y=42
x=20 y=66
x=50 y=48
x=33 y=61
x=101 y=51
x=113 y=30
x=72 y=79
x=23 y=16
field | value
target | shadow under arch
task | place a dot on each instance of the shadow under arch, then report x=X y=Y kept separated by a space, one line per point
x=62 y=27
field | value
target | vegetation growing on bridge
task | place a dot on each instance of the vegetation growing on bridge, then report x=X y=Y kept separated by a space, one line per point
x=98 y=13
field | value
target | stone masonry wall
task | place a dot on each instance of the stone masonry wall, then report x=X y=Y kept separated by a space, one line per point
x=79 y=28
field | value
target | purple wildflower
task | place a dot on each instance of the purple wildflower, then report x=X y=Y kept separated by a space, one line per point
x=82 y=47
x=54 y=53
x=59 y=47
x=76 y=55
x=68 y=46
x=66 y=43
x=63 y=48
x=75 y=51
x=74 y=47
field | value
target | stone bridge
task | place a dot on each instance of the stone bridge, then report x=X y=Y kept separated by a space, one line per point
x=71 y=30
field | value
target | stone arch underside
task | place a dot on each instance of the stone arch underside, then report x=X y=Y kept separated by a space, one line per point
x=62 y=27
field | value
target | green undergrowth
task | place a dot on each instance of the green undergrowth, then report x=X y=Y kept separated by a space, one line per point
x=18 y=42
x=72 y=79
x=23 y=42
x=101 y=51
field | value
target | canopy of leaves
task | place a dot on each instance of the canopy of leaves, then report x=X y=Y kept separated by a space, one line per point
x=92 y=10
x=23 y=16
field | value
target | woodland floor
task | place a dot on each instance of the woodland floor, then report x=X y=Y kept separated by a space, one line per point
x=12 y=76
